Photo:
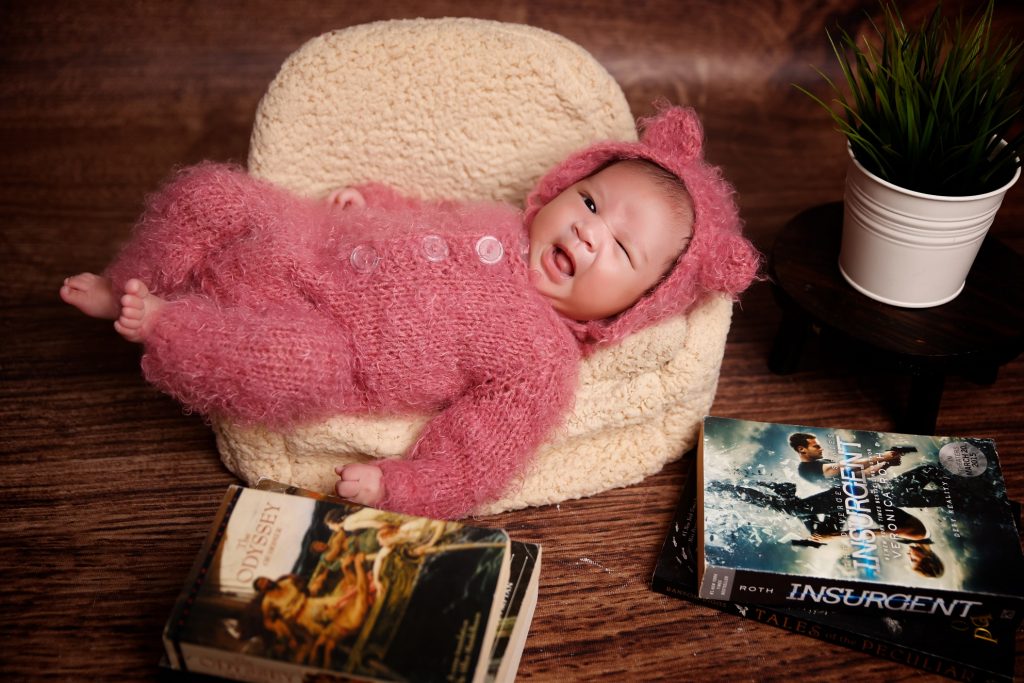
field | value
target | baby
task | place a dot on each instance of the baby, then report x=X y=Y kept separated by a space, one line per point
x=266 y=308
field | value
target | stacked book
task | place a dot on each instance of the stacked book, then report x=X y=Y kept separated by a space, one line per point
x=294 y=586
x=901 y=546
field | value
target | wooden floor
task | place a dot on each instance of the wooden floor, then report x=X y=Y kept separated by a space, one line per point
x=107 y=488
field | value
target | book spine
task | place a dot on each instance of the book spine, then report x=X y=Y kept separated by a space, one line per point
x=877 y=647
x=767 y=588
x=182 y=606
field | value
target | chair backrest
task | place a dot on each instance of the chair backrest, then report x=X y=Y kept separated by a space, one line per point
x=440 y=108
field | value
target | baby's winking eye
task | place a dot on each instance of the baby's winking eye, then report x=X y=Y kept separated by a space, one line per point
x=589 y=203
x=624 y=251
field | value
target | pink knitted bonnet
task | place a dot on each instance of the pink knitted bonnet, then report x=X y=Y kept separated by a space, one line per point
x=718 y=258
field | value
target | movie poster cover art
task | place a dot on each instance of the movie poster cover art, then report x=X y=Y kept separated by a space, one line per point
x=293 y=584
x=885 y=520
x=979 y=648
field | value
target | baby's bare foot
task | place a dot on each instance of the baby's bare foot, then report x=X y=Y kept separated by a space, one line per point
x=91 y=294
x=139 y=309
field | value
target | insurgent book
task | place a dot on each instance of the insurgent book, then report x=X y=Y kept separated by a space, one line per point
x=832 y=518
x=980 y=648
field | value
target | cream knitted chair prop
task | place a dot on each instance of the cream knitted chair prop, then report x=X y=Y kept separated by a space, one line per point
x=473 y=109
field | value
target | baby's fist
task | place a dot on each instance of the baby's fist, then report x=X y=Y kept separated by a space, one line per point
x=363 y=484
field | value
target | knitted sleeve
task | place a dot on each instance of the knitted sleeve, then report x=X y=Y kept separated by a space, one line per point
x=471 y=451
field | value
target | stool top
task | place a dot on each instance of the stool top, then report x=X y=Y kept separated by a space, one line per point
x=984 y=323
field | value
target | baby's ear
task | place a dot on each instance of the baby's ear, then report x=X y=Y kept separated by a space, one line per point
x=347 y=198
x=675 y=132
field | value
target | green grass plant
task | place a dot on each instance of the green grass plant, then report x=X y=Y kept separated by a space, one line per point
x=927 y=108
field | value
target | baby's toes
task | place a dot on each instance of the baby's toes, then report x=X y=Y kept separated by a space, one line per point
x=136 y=287
x=127 y=329
x=129 y=323
x=131 y=308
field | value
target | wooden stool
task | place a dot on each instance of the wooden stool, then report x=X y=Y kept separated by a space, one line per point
x=972 y=335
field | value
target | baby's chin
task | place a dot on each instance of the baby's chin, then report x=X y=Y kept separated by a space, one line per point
x=571 y=310
x=542 y=285
x=563 y=301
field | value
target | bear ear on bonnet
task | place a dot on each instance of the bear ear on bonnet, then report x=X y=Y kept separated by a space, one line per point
x=675 y=132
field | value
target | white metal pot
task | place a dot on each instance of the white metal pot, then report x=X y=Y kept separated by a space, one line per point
x=908 y=248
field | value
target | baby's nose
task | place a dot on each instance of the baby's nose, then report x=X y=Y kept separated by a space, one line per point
x=587 y=233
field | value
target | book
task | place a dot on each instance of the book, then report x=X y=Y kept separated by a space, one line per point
x=293 y=586
x=519 y=597
x=848 y=519
x=517 y=611
x=980 y=648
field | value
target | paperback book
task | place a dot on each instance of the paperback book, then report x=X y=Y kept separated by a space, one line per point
x=520 y=600
x=979 y=648
x=519 y=596
x=292 y=586
x=861 y=520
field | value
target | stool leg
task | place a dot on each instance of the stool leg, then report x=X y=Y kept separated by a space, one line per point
x=984 y=374
x=789 y=343
x=923 y=403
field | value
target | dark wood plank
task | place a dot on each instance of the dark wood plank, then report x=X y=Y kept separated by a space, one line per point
x=107 y=488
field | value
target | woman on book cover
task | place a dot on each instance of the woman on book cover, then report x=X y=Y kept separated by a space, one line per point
x=915 y=510
x=826 y=521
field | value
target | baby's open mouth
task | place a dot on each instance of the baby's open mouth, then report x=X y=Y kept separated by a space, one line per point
x=563 y=261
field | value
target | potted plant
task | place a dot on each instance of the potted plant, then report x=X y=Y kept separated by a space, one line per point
x=927 y=113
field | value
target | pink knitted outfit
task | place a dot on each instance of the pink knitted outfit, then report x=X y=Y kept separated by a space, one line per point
x=284 y=310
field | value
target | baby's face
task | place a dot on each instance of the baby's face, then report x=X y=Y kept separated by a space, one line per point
x=597 y=247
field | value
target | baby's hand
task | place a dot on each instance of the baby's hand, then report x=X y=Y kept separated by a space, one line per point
x=363 y=484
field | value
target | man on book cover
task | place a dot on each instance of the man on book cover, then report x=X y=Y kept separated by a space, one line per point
x=815 y=468
x=854 y=505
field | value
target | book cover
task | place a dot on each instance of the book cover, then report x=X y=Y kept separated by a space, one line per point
x=978 y=648
x=289 y=587
x=519 y=597
x=847 y=519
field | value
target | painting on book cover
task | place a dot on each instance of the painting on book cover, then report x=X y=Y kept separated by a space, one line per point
x=356 y=590
x=856 y=505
